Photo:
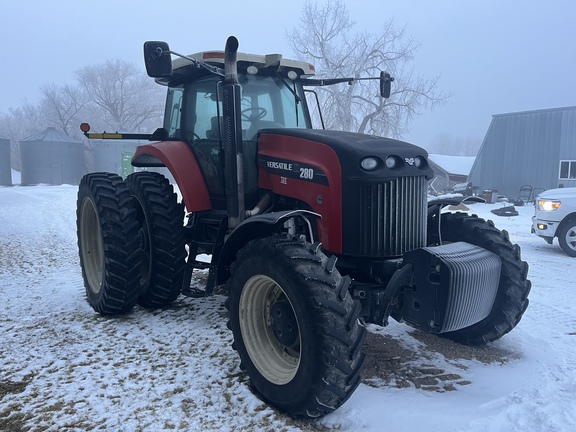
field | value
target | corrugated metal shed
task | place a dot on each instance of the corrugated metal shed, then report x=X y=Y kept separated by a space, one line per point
x=5 y=169
x=51 y=157
x=525 y=148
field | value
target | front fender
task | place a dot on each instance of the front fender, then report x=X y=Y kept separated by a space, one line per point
x=435 y=206
x=438 y=203
x=255 y=227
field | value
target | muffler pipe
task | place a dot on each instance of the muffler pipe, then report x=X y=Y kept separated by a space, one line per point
x=232 y=136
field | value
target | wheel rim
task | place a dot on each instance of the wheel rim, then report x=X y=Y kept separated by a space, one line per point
x=276 y=362
x=92 y=246
x=570 y=238
x=145 y=244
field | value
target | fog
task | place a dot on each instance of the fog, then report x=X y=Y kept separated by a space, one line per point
x=493 y=57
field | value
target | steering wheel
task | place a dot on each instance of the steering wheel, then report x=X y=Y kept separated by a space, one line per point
x=254 y=113
x=195 y=136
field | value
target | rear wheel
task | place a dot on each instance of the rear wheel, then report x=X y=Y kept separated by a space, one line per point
x=513 y=289
x=161 y=235
x=295 y=326
x=107 y=243
x=567 y=237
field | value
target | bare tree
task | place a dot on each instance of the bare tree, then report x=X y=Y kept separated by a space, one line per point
x=114 y=96
x=326 y=38
x=121 y=96
x=19 y=124
x=61 y=106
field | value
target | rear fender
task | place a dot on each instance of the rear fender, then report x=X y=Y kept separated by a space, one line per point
x=179 y=159
x=256 y=227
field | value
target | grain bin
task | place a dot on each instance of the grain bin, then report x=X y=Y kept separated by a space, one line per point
x=5 y=168
x=51 y=157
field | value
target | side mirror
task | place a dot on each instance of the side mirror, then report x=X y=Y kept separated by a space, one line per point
x=385 y=84
x=157 y=59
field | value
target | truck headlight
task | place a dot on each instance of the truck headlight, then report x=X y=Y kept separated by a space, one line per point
x=548 y=205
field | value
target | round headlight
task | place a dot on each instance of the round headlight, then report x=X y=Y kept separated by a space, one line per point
x=391 y=162
x=419 y=161
x=369 y=163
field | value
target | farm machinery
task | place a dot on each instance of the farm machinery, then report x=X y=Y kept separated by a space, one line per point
x=312 y=233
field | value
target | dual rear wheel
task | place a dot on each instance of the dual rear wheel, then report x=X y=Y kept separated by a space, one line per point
x=130 y=241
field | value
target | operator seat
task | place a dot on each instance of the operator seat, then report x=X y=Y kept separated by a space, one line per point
x=214 y=132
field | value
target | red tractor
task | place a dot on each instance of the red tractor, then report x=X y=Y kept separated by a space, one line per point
x=312 y=232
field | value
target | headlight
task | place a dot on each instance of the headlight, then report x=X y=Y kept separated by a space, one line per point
x=391 y=162
x=548 y=205
x=369 y=163
x=419 y=161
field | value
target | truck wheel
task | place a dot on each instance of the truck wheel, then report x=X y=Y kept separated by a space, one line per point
x=567 y=237
x=512 y=296
x=161 y=234
x=295 y=326
x=107 y=243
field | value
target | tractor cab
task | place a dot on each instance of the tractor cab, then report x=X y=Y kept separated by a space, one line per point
x=271 y=96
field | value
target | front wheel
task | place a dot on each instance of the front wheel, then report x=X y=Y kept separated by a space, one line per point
x=295 y=326
x=513 y=289
x=567 y=238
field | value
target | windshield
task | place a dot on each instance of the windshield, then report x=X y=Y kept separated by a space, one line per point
x=266 y=102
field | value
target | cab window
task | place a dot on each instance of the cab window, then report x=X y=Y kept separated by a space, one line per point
x=173 y=112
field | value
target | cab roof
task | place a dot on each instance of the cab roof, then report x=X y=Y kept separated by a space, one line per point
x=245 y=60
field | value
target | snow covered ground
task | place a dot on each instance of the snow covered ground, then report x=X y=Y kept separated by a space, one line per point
x=63 y=367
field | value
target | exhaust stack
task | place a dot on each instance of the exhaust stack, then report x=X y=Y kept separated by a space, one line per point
x=232 y=137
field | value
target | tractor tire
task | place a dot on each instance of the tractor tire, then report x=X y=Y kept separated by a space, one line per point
x=295 y=326
x=161 y=232
x=108 y=243
x=513 y=289
x=567 y=237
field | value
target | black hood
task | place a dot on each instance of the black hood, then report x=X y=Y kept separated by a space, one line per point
x=352 y=147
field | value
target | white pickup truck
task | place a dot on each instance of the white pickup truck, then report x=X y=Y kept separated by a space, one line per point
x=555 y=216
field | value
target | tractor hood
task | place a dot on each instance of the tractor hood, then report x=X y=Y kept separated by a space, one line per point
x=352 y=148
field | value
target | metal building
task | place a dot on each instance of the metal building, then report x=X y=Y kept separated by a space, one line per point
x=5 y=166
x=51 y=157
x=531 y=148
x=110 y=154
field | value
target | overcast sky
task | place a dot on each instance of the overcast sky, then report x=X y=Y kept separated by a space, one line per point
x=494 y=56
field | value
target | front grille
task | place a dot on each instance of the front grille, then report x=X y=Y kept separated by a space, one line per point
x=392 y=217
